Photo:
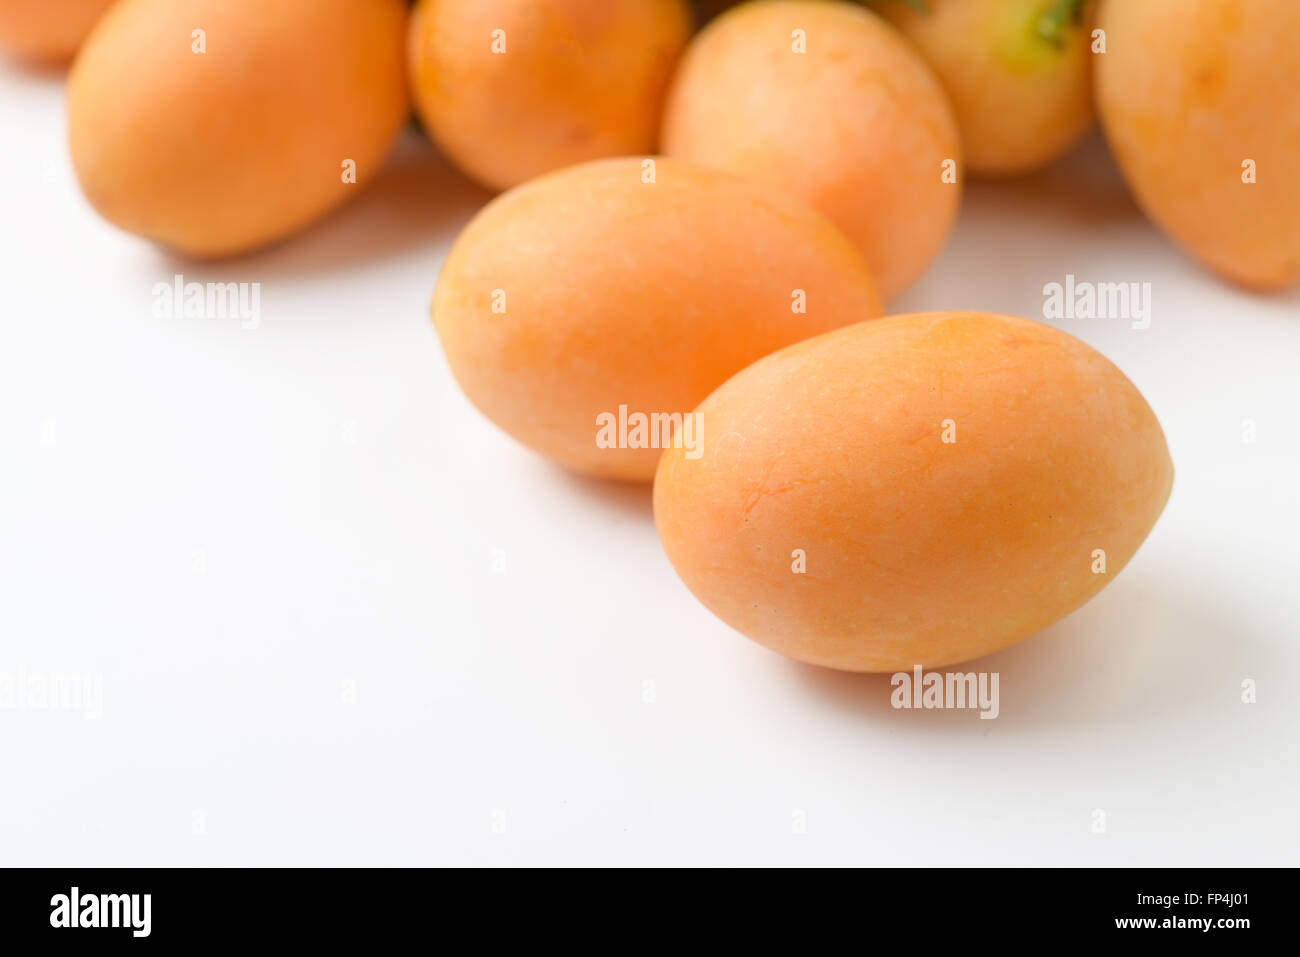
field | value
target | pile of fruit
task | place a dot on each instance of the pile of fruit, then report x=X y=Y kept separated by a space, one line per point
x=699 y=230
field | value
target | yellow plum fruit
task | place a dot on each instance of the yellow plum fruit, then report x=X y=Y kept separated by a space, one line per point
x=47 y=31
x=1201 y=105
x=917 y=490
x=1018 y=73
x=217 y=126
x=587 y=311
x=830 y=102
x=511 y=89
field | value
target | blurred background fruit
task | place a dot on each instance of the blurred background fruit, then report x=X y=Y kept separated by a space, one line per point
x=216 y=126
x=592 y=288
x=706 y=10
x=47 y=31
x=827 y=100
x=1018 y=73
x=1201 y=105
x=511 y=89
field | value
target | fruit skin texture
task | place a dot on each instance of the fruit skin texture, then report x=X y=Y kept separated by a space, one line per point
x=857 y=126
x=918 y=551
x=1186 y=92
x=619 y=292
x=47 y=31
x=580 y=80
x=1020 y=101
x=220 y=152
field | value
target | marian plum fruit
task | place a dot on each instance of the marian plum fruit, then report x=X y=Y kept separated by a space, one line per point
x=1018 y=73
x=516 y=88
x=916 y=490
x=828 y=101
x=216 y=126
x=1201 y=105
x=579 y=306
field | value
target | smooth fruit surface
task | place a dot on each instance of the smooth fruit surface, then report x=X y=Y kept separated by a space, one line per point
x=1019 y=76
x=949 y=483
x=47 y=31
x=216 y=126
x=1196 y=99
x=828 y=101
x=591 y=289
x=512 y=89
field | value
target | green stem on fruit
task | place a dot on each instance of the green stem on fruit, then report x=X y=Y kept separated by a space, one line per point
x=1058 y=19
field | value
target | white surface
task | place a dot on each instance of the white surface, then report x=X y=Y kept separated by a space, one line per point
x=229 y=526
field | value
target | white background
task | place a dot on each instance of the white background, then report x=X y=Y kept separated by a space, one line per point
x=276 y=549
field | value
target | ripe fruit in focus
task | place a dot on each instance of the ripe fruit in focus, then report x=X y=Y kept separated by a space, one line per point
x=955 y=482
x=590 y=289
